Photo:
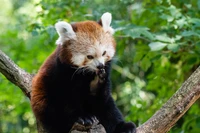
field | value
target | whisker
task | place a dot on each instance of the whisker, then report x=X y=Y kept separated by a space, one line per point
x=83 y=71
x=78 y=70
x=88 y=70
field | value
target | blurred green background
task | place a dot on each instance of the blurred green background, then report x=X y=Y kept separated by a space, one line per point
x=158 y=47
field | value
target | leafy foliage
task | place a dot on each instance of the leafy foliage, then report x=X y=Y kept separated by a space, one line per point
x=157 y=49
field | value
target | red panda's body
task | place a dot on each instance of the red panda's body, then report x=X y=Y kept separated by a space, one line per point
x=73 y=84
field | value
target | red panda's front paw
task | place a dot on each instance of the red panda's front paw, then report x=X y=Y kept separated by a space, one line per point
x=87 y=120
x=101 y=74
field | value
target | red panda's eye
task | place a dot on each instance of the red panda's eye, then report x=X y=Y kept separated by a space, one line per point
x=90 y=57
x=104 y=53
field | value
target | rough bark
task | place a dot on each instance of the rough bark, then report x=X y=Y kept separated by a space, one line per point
x=164 y=119
x=161 y=122
x=15 y=74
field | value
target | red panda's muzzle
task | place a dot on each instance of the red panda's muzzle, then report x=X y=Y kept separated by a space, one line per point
x=100 y=66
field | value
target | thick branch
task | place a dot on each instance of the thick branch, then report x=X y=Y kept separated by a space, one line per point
x=160 y=122
x=164 y=119
x=15 y=74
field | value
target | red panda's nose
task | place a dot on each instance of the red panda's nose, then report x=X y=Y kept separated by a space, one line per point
x=100 y=66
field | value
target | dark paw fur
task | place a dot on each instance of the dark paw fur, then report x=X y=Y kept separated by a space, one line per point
x=102 y=74
x=87 y=120
x=128 y=127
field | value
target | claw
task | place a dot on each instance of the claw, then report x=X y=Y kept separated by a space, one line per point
x=102 y=73
x=87 y=121
x=80 y=121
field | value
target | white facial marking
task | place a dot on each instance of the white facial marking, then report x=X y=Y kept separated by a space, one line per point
x=110 y=50
x=77 y=59
x=101 y=60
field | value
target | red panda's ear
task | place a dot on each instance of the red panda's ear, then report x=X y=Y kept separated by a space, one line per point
x=106 y=19
x=65 y=32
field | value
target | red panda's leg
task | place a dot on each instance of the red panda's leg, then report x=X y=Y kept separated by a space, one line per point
x=111 y=118
x=109 y=115
x=51 y=120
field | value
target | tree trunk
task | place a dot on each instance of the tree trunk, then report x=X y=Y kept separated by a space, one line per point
x=161 y=122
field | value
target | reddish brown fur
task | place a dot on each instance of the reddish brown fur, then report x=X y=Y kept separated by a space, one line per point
x=90 y=27
x=65 y=53
x=38 y=92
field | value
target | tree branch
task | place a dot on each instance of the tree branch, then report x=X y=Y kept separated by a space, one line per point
x=164 y=119
x=15 y=74
x=160 y=122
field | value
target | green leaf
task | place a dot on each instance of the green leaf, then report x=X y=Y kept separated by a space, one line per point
x=198 y=45
x=138 y=56
x=181 y=22
x=34 y=33
x=195 y=21
x=189 y=33
x=173 y=47
x=145 y=63
x=138 y=31
x=198 y=122
x=155 y=46
x=192 y=60
x=198 y=4
x=164 y=38
x=175 y=12
x=51 y=31
x=167 y=17
x=148 y=34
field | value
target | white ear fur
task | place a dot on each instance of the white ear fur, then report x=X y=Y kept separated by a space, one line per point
x=106 y=19
x=64 y=31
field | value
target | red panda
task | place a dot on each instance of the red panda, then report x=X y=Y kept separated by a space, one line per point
x=73 y=84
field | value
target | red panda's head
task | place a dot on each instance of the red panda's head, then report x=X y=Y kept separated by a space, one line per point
x=86 y=44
